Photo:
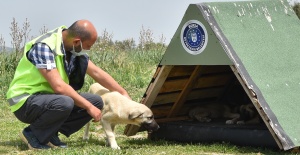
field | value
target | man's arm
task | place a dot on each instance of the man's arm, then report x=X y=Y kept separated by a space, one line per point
x=60 y=87
x=105 y=79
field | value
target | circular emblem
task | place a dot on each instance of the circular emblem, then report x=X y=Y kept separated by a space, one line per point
x=193 y=37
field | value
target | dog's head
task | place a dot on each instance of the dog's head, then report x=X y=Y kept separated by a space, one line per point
x=144 y=117
x=247 y=111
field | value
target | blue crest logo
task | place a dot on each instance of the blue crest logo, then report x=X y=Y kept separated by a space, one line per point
x=193 y=37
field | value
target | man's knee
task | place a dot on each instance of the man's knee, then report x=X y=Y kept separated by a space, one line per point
x=63 y=103
x=69 y=103
x=96 y=100
x=99 y=102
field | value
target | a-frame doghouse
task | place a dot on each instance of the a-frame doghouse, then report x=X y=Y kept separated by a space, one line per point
x=226 y=51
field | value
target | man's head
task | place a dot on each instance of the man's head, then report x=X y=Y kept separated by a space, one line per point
x=81 y=35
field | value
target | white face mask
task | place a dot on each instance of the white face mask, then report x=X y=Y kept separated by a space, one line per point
x=82 y=52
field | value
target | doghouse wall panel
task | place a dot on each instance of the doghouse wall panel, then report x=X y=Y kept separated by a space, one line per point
x=214 y=80
x=180 y=71
x=213 y=92
x=163 y=111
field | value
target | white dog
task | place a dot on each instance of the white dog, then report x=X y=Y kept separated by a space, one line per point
x=118 y=109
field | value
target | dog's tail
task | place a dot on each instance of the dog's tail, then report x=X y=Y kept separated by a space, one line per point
x=96 y=88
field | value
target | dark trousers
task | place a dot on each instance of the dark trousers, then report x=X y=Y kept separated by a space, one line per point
x=48 y=114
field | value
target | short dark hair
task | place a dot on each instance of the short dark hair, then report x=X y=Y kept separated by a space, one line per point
x=77 y=30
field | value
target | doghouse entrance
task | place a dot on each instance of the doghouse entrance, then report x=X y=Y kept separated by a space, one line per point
x=188 y=86
x=185 y=87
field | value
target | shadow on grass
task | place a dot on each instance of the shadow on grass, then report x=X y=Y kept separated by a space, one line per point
x=127 y=143
x=14 y=144
x=217 y=147
x=79 y=142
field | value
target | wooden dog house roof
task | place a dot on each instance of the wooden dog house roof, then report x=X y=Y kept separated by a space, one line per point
x=254 y=42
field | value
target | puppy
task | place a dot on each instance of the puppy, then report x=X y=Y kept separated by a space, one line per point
x=118 y=109
x=207 y=112
x=248 y=114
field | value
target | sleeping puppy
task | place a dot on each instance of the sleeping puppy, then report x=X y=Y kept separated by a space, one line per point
x=248 y=114
x=207 y=112
x=241 y=114
x=118 y=109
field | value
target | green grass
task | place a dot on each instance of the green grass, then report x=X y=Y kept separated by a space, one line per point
x=133 y=70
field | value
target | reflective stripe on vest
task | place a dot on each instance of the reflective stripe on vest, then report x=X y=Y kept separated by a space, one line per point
x=16 y=99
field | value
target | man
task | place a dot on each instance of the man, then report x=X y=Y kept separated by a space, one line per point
x=43 y=91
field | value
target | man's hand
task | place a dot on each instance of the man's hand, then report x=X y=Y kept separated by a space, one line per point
x=95 y=113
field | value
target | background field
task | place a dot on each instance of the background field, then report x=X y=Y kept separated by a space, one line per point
x=133 y=70
x=132 y=65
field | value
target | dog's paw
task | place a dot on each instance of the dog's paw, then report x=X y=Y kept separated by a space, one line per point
x=208 y=120
x=115 y=147
x=229 y=122
x=85 y=137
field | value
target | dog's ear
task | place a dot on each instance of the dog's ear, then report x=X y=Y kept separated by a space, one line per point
x=135 y=114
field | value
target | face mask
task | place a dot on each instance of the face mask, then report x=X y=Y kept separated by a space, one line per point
x=82 y=52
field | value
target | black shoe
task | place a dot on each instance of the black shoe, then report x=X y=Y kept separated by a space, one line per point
x=32 y=142
x=55 y=142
